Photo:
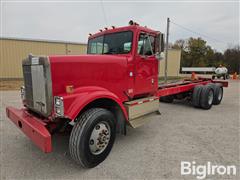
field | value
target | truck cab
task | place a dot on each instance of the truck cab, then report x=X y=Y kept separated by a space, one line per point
x=139 y=45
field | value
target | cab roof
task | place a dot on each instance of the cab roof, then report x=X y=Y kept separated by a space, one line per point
x=124 y=28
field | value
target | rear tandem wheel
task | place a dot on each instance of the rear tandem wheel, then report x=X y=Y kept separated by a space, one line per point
x=207 y=95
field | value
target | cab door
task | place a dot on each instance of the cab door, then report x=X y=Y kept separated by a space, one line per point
x=146 y=66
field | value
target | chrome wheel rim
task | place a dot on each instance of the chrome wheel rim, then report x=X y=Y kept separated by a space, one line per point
x=99 y=138
x=210 y=97
x=220 y=94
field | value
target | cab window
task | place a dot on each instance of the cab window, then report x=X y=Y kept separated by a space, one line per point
x=146 y=44
x=115 y=43
x=96 y=45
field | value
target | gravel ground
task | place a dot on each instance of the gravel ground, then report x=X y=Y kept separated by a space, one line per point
x=153 y=151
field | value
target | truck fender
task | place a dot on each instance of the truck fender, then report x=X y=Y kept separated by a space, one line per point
x=74 y=103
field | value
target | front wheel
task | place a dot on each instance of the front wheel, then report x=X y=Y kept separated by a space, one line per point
x=92 y=137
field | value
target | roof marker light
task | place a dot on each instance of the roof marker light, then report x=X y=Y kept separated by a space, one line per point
x=131 y=22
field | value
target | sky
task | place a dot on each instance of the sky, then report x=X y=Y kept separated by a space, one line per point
x=217 y=22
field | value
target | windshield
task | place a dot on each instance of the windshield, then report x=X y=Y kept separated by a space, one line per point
x=116 y=43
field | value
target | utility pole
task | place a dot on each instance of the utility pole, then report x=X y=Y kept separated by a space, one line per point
x=166 y=51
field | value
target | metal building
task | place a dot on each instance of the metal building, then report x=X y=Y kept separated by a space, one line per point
x=173 y=66
x=13 y=51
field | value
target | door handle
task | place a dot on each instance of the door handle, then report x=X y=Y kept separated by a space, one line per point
x=152 y=81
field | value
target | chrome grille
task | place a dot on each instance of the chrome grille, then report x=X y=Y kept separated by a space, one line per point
x=27 y=75
x=38 y=85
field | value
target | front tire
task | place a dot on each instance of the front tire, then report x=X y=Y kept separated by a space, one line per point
x=92 y=137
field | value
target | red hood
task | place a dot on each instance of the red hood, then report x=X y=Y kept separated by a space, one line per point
x=108 y=71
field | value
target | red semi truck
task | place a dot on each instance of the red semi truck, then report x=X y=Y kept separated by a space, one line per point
x=98 y=94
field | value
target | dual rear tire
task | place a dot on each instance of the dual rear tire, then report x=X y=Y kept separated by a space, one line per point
x=218 y=93
x=206 y=96
x=206 y=99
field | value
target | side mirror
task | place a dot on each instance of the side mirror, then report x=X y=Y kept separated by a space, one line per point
x=161 y=43
x=159 y=56
x=160 y=46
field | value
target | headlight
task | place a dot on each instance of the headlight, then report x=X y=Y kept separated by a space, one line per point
x=22 y=91
x=58 y=106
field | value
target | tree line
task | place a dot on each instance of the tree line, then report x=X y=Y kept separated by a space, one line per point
x=196 y=53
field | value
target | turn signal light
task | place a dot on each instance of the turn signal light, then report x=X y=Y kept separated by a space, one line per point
x=69 y=89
